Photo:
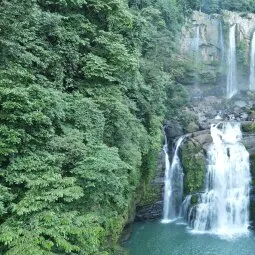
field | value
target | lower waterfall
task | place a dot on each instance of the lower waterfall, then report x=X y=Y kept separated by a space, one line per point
x=173 y=190
x=223 y=208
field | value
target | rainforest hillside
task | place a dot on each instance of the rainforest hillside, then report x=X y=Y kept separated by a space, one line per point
x=83 y=94
x=85 y=87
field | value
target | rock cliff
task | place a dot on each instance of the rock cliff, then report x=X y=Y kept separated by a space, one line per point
x=204 y=46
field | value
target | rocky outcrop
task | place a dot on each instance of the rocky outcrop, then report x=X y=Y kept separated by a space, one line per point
x=245 y=23
x=208 y=36
x=194 y=165
x=211 y=109
x=150 y=205
x=173 y=129
x=150 y=211
x=204 y=46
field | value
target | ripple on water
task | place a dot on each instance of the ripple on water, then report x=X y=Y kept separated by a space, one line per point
x=153 y=238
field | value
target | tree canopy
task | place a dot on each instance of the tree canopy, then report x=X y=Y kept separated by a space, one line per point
x=83 y=91
x=85 y=86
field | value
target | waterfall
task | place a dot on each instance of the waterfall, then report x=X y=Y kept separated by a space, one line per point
x=173 y=190
x=221 y=42
x=197 y=39
x=196 y=46
x=168 y=184
x=197 y=54
x=185 y=207
x=231 y=76
x=252 y=64
x=223 y=208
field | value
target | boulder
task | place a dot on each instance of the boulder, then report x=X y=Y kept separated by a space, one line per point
x=149 y=212
x=192 y=127
x=173 y=129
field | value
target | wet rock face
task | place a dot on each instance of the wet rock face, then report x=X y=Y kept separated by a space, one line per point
x=194 y=165
x=150 y=205
x=150 y=212
x=245 y=23
x=212 y=109
x=209 y=37
x=204 y=44
x=173 y=129
x=252 y=192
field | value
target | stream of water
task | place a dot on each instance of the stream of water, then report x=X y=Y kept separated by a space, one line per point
x=173 y=190
x=231 y=75
x=252 y=63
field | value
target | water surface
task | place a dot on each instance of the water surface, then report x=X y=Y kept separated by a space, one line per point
x=154 y=238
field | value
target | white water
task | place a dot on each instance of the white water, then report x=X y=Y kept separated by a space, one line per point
x=173 y=190
x=168 y=184
x=196 y=46
x=222 y=47
x=252 y=64
x=231 y=77
x=185 y=207
x=197 y=54
x=197 y=39
x=224 y=207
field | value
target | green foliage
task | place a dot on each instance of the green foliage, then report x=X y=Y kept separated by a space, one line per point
x=84 y=87
x=248 y=127
x=109 y=184
x=194 y=167
x=252 y=166
x=210 y=6
x=242 y=58
x=252 y=169
x=215 y=6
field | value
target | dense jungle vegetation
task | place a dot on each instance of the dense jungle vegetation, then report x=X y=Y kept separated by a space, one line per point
x=85 y=86
x=215 y=6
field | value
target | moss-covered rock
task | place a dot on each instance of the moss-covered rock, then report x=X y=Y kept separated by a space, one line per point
x=194 y=167
x=248 y=127
x=209 y=77
x=252 y=168
x=152 y=194
x=192 y=127
x=252 y=202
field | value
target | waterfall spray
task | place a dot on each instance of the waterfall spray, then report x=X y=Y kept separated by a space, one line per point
x=223 y=209
x=231 y=77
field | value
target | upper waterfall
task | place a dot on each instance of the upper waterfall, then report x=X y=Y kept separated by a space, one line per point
x=197 y=54
x=221 y=44
x=231 y=75
x=224 y=207
x=197 y=40
x=252 y=64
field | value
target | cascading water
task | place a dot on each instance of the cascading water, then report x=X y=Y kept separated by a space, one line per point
x=197 y=54
x=231 y=76
x=167 y=182
x=185 y=207
x=173 y=184
x=223 y=209
x=222 y=47
x=252 y=64
x=197 y=41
